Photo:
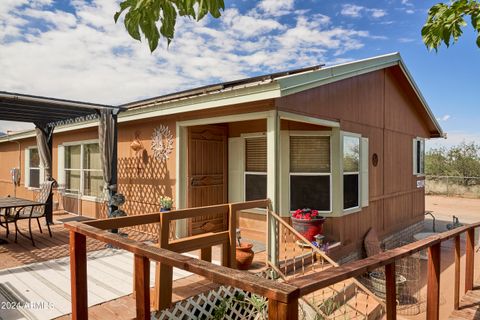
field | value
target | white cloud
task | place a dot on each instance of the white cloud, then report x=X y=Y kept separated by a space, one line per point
x=356 y=11
x=454 y=138
x=276 y=7
x=444 y=118
x=85 y=56
x=351 y=10
x=406 y=40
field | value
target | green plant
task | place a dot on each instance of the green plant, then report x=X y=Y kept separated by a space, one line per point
x=166 y=202
x=445 y=21
x=143 y=16
x=259 y=303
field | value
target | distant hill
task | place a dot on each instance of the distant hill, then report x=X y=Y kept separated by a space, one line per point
x=2 y=133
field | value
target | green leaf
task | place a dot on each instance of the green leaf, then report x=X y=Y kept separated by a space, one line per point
x=478 y=41
x=157 y=18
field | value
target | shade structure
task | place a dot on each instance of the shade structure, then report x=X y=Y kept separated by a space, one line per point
x=46 y=113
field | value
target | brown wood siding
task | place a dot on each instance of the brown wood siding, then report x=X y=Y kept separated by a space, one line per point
x=382 y=107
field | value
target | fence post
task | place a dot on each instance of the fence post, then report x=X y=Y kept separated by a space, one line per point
x=391 y=291
x=433 y=282
x=142 y=287
x=272 y=238
x=456 y=294
x=469 y=259
x=448 y=193
x=78 y=275
x=278 y=310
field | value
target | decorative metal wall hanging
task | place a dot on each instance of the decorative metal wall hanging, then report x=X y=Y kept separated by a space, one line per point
x=162 y=143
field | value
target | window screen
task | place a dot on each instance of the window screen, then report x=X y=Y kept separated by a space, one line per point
x=310 y=192
x=255 y=168
x=256 y=154
x=34 y=168
x=309 y=154
x=351 y=171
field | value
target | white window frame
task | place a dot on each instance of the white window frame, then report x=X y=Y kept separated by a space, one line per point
x=28 y=168
x=358 y=173
x=82 y=170
x=414 y=155
x=247 y=136
x=311 y=174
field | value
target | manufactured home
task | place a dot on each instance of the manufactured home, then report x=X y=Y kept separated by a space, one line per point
x=346 y=140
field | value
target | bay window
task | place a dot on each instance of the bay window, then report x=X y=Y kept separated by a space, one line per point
x=255 y=168
x=83 y=171
x=351 y=172
x=310 y=173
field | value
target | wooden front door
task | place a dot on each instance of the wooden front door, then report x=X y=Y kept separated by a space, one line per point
x=207 y=174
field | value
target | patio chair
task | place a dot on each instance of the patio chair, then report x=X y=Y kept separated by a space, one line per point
x=34 y=212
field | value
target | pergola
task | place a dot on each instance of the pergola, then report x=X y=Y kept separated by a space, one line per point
x=47 y=113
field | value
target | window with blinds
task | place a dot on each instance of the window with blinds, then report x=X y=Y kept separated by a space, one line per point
x=310 y=173
x=255 y=168
x=310 y=154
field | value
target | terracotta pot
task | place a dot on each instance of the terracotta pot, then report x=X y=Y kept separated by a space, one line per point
x=244 y=256
x=308 y=228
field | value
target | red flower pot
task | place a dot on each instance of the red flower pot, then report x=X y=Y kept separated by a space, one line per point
x=244 y=256
x=308 y=228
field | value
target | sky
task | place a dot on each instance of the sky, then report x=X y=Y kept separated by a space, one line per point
x=74 y=50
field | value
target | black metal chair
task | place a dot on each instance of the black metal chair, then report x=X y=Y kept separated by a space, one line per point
x=33 y=212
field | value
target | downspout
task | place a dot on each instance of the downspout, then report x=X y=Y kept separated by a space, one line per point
x=19 y=161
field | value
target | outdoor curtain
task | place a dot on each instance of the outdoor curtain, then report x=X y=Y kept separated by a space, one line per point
x=44 y=152
x=106 y=131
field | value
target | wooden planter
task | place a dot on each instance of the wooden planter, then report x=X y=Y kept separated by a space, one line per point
x=308 y=228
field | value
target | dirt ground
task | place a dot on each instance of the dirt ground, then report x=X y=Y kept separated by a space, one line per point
x=468 y=211
x=443 y=208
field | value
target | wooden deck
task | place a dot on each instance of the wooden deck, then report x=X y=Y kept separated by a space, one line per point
x=469 y=305
x=22 y=254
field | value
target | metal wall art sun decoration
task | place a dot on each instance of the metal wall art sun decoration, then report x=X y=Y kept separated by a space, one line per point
x=162 y=143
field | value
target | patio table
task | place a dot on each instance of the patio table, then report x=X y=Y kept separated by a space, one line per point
x=9 y=203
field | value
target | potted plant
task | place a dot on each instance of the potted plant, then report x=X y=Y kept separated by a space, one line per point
x=243 y=254
x=165 y=203
x=308 y=223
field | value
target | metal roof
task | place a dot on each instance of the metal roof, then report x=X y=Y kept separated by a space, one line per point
x=219 y=87
x=45 y=111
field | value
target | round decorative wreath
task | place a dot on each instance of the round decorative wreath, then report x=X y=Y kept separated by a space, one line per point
x=162 y=143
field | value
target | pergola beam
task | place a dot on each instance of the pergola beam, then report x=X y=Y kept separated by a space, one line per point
x=46 y=113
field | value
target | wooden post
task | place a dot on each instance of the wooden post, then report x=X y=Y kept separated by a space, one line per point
x=78 y=275
x=232 y=244
x=391 y=291
x=433 y=282
x=142 y=287
x=282 y=311
x=206 y=254
x=163 y=272
x=469 y=257
x=456 y=294
x=272 y=239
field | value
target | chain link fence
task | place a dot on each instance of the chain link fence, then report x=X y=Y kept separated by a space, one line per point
x=453 y=186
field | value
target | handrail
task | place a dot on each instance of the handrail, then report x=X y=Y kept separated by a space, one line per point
x=240 y=279
x=324 y=256
x=312 y=282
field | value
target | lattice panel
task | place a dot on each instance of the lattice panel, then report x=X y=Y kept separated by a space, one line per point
x=203 y=305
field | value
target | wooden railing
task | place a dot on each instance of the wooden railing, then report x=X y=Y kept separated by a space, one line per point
x=282 y=298
x=294 y=256
x=316 y=281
